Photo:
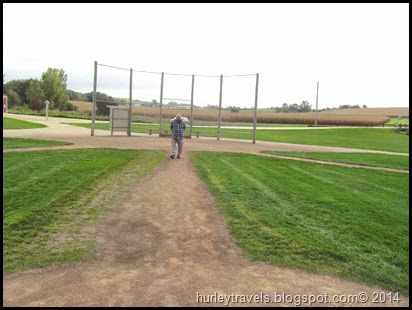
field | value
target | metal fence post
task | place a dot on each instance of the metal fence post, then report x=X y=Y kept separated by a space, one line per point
x=191 y=105
x=94 y=99
x=161 y=102
x=111 y=121
x=129 y=130
x=255 y=112
x=220 y=107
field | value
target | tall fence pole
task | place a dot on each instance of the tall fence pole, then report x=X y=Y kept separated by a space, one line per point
x=191 y=104
x=317 y=92
x=94 y=99
x=161 y=103
x=255 y=111
x=220 y=107
x=129 y=130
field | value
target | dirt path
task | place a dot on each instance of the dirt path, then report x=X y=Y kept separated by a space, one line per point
x=165 y=245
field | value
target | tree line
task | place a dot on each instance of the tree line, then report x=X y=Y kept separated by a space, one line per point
x=52 y=86
x=294 y=108
x=305 y=106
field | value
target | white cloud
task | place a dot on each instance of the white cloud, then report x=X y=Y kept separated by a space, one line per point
x=358 y=52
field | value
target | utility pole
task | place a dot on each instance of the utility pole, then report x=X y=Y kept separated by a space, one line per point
x=219 y=120
x=255 y=110
x=317 y=92
x=94 y=99
x=191 y=105
x=129 y=129
x=161 y=103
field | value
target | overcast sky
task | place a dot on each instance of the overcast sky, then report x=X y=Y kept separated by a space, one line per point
x=359 y=53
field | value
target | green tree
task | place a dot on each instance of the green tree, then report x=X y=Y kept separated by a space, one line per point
x=19 y=88
x=102 y=108
x=37 y=104
x=155 y=103
x=305 y=106
x=13 y=97
x=35 y=91
x=294 y=108
x=54 y=85
x=99 y=96
x=212 y=106
x=35 y=95
x=348 y=106
x=76 y=96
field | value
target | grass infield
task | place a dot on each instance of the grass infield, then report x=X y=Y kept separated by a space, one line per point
x=393 y=121
x=23 y=143
x=11 y=123
x=50 y=196
x=368 y=159
x=351 y=223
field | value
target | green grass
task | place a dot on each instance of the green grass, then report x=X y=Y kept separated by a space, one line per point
x=22 y=143
x=393 y=121
x=11 y=123
x=358 y=138
x=383 y=139
x=49 y=197
x=346 y=222
x=106 y=126
x=369 y=159
x=206 y=123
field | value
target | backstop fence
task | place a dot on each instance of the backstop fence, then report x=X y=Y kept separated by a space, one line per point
x=126 y=122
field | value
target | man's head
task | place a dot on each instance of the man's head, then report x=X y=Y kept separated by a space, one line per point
x=178 y=117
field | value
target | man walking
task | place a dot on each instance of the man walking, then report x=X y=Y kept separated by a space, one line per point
x=177 y=126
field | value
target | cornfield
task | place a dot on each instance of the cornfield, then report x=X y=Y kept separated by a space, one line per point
x=82 y=106
x=390 y=112
x=324 y=118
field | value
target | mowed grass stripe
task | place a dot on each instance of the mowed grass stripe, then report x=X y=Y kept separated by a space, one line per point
x=393 y=121
x=368 y=159
x=355 y=180
x=283 y=205
x=59 y=192
x=382 y=139
x=11 y=123
x=358 y=138
x=23 y=143
x=19 y=184
x=330 y=181
x=328 y=219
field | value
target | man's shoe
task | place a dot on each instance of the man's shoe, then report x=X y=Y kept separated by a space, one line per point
x=178 y=156
x=172 y=156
